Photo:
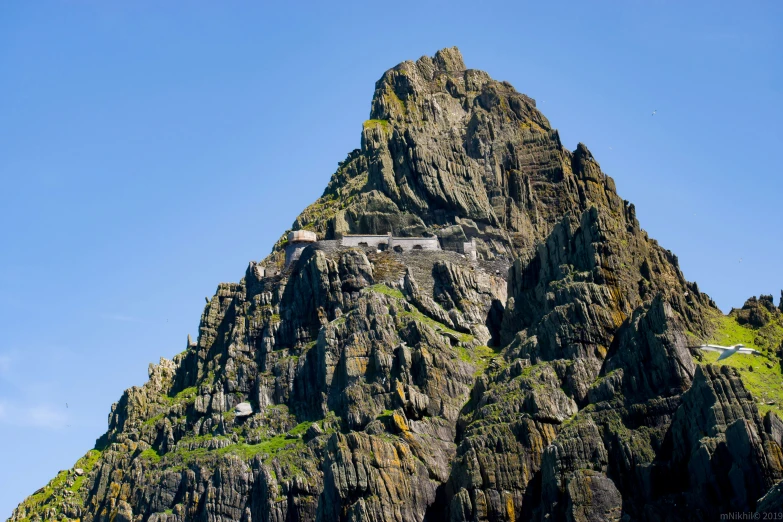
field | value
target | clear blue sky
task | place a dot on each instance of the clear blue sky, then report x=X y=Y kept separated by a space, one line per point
x=149 y=150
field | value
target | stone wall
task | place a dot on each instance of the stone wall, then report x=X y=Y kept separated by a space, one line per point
x=293 y=251
x=406 y=244
x=298 y=240
x=365 y=240
x=469 y=249
x=399 y=244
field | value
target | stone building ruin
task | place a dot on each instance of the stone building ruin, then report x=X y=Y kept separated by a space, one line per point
x=389 y=242
x=298 y=240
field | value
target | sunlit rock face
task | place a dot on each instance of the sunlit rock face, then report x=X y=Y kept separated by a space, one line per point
x=547 y=377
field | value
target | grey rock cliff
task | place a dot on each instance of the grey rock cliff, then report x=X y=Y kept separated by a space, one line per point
x=548 y=379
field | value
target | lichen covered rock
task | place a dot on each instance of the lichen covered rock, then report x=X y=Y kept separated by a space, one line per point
x=548 y=378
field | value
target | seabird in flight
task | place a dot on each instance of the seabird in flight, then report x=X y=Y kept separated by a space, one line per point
x=727 y=351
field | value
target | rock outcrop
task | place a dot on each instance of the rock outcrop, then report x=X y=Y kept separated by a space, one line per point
x=550 y=378
x=720 y=443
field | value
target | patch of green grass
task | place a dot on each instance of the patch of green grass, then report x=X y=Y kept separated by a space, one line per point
x=38 y=500
x=766 y=384
x=770 y=337
x=464 y=354
x=153 y=420
x=415 y=314
x=372 y=123
x=187 y=394
x=77 y=483
x=481 y=356
x=51 y=495
x=385 y=414
x=300 y=428
x=273 y=447
x=86 y=463
x=385 y=290
x=730 y=332
x=766 y=338
x=198 y=439
x=150 y=454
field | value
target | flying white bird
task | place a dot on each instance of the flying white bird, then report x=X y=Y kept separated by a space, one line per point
x=656 y=110
x=727 y=351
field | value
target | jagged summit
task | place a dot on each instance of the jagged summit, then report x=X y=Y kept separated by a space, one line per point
x=450 y=151
x=548 y=377
x=446 y=60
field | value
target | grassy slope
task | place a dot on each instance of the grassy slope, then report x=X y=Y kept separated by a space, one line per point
x=765 y=383
x=67 y=484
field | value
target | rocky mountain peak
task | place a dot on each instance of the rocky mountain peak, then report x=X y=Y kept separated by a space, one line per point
x=448 y=59
x=552 y=376
x=448 y=151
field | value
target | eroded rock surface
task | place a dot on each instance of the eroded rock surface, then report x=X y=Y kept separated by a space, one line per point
x=551 y=378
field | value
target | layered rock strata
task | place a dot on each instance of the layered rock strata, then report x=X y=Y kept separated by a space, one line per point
x=550 y=378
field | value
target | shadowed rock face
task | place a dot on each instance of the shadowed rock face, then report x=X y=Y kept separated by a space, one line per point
x=550 y=379
x=719 y=438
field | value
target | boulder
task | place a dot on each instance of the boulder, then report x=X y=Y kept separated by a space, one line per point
x=243 y=409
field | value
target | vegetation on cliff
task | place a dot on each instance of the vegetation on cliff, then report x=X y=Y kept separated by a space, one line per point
x=552 y=378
